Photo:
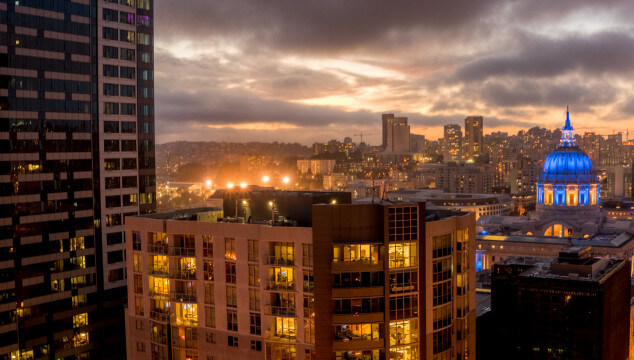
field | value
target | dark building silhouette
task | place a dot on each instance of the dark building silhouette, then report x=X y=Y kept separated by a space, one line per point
x=573 y=307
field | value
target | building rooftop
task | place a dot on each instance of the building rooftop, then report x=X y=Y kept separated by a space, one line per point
x=574 y=263
x=614 y=241
x=183 y=214
x=440 y=198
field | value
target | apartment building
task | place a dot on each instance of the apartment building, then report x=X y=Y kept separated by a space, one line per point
x=367 y=281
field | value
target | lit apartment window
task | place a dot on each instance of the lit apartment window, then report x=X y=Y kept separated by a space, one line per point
x=352 y=332
x=284 y=328
x=80 y=320
x=403 y=254
x=359 y=253
x=187 y=314
x=230 y=248
x=403 y=332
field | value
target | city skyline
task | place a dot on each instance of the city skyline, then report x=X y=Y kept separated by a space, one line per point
x=291 y=72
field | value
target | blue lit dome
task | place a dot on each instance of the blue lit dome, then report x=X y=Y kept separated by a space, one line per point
x=567 y=181
x=567 y=163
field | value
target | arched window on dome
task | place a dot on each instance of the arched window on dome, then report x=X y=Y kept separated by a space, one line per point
x=557 y=230
x=540 y=193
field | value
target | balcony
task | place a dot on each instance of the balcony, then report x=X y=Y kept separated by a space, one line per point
x=279 y=286
x=182 y=251
x=286 y=335
x=184 y=297
x=188 y=343
x=157 y=249
x=183 y=274
x=273 y=260
x=158 y=271
x=162 y=316
x=163 y=295
x=158 y=338
x=285 y=311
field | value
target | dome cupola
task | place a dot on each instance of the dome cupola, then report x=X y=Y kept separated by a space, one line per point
x=567 y=163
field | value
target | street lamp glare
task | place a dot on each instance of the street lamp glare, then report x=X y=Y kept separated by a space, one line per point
x=243 y=185
x=285 y=180
x=265 y=179
x=229 y=185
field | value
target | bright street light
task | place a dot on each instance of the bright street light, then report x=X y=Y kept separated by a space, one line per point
x=285 y=180
x=230 y=185
x=265 y=179
x=243 y=185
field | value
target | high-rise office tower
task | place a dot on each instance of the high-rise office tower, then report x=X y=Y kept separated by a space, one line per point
x=397 y=136
x=473 y=126
x=452 y=143
x=77 y=156
x=360 y=281
x=384 y=122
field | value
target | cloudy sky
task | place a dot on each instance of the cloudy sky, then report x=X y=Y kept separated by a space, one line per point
x=314 y=70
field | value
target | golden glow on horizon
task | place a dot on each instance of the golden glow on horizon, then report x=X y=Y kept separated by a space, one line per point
x=268 y=126
x=243 y=185
x=265 y=179
x=230 y=185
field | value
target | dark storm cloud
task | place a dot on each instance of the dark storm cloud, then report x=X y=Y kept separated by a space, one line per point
x=540 y=56
x=314 y=25
x=546 y=93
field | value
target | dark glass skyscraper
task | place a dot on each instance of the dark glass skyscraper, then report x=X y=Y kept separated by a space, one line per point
x=76 y=157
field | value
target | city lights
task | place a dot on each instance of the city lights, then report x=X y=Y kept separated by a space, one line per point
x=243 y=185
x=208 y=183
x=230 y=185
x=286 y=180
x=265 y=179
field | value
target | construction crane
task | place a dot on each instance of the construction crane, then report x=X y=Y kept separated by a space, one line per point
x=361 y=135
